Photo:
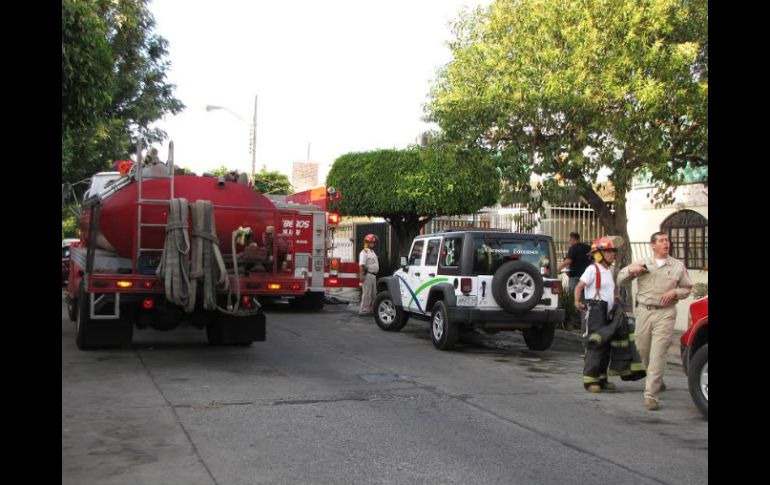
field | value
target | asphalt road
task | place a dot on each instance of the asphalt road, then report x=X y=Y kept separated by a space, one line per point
x=330 y=398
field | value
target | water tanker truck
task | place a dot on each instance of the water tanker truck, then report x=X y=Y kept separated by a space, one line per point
x=161 y=250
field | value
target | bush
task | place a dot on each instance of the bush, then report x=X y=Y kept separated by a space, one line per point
x=571 y=314
x=699 y=290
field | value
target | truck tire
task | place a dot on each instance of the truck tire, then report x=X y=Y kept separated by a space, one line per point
x=72 y=309
x=697 y=379
x=224 y=329
x=214 y=332
x=517 y=286
x=443 y=331
x=91 y=334
x=540 y=337
x=388 y=316
x=312 y=301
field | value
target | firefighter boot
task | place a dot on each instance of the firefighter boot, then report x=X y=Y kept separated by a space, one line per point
x=608 y=386
x=651 y=404
x=594 y=388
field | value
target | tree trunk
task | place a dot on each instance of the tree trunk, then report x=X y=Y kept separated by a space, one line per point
x=615 y=225
x=406 y=228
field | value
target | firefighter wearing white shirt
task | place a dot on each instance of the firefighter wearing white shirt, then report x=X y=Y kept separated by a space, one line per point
x=368 y=267
x=597 y=306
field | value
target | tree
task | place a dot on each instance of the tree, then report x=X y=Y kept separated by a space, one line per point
x=410 y=187
x=113 y=83
x=265 y=181
x=272 y=182
x=566 y=89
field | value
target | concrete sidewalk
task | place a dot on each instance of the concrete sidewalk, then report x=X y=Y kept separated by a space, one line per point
x=352 y=296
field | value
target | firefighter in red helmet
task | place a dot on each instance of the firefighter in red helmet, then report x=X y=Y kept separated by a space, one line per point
x=368 y=265
x=599 y=285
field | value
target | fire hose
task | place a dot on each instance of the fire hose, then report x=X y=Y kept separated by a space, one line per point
x=207 y=263
x=174 y=265
x=181 y=275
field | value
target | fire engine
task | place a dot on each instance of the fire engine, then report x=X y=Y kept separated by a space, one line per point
x=339 y=272
x=163 y=250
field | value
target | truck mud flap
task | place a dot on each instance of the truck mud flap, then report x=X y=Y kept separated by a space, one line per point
x=239 y=330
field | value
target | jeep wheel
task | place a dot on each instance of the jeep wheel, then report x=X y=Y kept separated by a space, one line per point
x=540 y=338
x=517 y=286
x=388 y=317
x=698 y=379
x=443 y=331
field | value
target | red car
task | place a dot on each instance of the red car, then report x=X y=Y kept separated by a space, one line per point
x=695 y=353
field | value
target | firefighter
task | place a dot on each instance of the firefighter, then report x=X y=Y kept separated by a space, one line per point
x=599 y=286
x=369 y=266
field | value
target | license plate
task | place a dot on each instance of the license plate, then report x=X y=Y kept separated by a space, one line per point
x=463 y=300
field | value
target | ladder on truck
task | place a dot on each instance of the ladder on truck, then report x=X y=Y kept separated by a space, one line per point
x=141 y=201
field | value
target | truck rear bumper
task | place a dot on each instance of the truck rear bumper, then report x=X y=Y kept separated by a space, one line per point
x=501 y=320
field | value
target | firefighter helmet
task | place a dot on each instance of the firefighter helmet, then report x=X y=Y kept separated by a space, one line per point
x=601 y=244
x=370 y=238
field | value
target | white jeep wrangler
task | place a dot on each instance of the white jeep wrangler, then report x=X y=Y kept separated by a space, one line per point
x=468 y=279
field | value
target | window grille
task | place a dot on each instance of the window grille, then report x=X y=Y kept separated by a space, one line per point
x=688 y=232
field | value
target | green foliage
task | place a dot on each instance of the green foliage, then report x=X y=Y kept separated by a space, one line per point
x=113 y=83
x=218 y=172
x=69 y=224
x=566 y=88
x=699 y=290
x=272 y=182
x=410 y=187
x=571 y=313
x=265 y=181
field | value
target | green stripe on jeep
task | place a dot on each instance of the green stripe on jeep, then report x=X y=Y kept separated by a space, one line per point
x=427 y=284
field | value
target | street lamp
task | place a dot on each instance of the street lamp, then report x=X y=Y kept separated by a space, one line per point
x=253 y=140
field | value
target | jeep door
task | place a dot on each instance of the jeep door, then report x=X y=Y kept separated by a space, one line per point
x=423 y=264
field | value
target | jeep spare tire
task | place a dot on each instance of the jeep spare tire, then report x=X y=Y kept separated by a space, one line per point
x=517 y=286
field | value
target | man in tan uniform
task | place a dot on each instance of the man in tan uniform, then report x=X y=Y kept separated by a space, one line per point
x=663 y=281
x=368 y=265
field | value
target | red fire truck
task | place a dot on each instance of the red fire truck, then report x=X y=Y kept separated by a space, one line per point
x=339 y=272
x=162 y=250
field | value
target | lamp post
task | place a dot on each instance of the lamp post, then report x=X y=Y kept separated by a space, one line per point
x=253 y=140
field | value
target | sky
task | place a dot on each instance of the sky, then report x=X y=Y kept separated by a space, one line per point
x=339 y=75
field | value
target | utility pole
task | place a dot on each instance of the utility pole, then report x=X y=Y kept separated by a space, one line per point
x=254 y=139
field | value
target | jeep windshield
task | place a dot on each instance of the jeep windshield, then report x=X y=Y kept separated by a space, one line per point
x=489 y=253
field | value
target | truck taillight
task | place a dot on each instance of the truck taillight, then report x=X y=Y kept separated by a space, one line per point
x=148 y=303
x=334 y=264
x=148 y=284
x=334 y=282
x=556 y=287
x=295 y=286
x=466 y=285
x=124 y=284
x=246 y=302
x=333 y=219
x=273 y=286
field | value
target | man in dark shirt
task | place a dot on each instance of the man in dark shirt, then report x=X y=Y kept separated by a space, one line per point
x=577 y=259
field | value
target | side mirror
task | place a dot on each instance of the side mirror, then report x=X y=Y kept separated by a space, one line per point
x=403 y=262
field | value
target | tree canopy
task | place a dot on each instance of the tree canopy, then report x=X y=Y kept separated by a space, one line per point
x=569 y=89
x=113 y=83
x=265 y=181
x=410 y=187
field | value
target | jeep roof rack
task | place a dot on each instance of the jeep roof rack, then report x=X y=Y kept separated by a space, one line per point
x=470 y=228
